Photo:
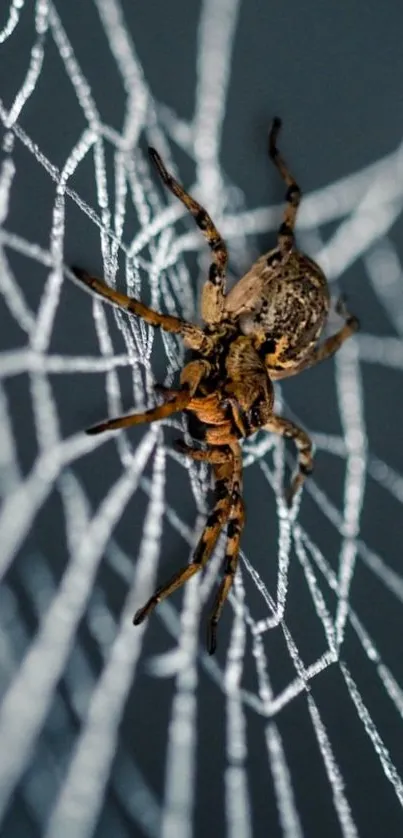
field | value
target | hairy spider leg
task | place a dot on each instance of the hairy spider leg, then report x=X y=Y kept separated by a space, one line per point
x=219 y=456
x=326 y=349
x=212 y=301
x=225 y=473
x=193 y=336
x=210 y=455
x=191 y=377
x=160 y=412
x=289 y=430
x=234 y=531
x=292 y=196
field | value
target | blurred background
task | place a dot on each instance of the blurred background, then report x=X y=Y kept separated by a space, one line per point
x=294 y=727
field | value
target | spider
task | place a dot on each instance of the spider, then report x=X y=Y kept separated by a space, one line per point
x=264 y=329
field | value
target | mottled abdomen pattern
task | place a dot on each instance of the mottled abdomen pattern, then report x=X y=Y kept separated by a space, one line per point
x=288 y=316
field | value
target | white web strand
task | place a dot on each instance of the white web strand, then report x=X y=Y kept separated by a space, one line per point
x=348 y=828
x=287 y=810
x=16 y=7
x=366 y=205
x=372 y=732
x=237 y=792
x=80 y=801
x=35 y=63
x=46 y=659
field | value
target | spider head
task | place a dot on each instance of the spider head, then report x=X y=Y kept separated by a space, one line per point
x=259 y=411
x=249 y=408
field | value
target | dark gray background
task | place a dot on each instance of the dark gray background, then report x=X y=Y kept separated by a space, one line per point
x=334 y=75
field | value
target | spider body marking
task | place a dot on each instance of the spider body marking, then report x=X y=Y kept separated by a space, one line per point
x=265 y=328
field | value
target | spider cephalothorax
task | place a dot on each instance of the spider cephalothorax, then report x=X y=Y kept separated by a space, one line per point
x=265 y=328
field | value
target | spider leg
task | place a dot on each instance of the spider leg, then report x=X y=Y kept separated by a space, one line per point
x=292 y=196
x=191 y=376
x=193 y=336
x=211 y=455
x=289 y=430
x=235 y=527
x=161 y=412
x=212 y=302
x=325 y=350
x=214 y=524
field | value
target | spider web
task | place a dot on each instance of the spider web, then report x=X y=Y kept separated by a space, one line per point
x=106 y=729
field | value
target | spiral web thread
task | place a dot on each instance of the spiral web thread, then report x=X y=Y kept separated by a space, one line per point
x=363 y=208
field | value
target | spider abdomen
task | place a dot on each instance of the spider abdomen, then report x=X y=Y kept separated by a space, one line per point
x=289 y=316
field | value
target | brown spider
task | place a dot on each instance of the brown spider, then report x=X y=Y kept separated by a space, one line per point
x=265 y=328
